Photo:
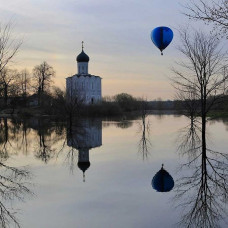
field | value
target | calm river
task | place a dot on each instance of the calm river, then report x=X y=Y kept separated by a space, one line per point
x=97 y=173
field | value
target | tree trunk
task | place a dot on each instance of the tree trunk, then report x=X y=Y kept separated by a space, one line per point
x=204 y=148
x=203 y=118
x=39 y=95
x=6 y=134
x=25 y=91
x=5 y=94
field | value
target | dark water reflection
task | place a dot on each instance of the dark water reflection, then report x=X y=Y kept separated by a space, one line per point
x=111 y=165
x=83 y=136
x=144 y=144
x=202 y=192
x=14 y=182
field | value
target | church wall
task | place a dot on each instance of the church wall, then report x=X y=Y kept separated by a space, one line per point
x=83 y=68
x=86 y=87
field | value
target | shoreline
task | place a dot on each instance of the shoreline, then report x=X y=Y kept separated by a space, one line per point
x=37 y=113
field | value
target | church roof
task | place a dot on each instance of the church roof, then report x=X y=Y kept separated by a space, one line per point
x=84 y=75
x=83 y=166
x=82 y=57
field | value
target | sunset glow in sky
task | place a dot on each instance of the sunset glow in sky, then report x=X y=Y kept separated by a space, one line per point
x=116 y=34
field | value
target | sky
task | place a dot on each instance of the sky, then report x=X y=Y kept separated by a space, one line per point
x=116 y=35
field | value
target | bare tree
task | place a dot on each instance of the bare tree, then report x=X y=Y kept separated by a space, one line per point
x=202 y=72
x=8 y=45
x=201 y=83
x=7 y=81
x=24 y=80
x=42 y=75
x=73 y=105
x=211 y=12
x=190 y=101
x=8 y=49
x=67 y=105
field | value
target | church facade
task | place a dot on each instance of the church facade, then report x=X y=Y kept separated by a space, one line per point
x=83 y=86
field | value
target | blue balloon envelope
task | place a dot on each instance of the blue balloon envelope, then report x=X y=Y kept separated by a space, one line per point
x=162 y=37
x=162 y=181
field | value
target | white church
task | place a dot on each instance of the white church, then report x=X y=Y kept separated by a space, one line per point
x=83 y=86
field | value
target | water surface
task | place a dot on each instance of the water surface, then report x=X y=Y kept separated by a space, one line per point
x=115 y=188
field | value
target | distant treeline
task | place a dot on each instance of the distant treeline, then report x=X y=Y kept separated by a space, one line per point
x=55 y=103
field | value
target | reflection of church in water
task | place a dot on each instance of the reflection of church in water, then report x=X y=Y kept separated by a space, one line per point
x=83 y=136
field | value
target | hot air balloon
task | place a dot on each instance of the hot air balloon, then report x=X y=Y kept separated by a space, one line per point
x=162 y=181
x=161 y=37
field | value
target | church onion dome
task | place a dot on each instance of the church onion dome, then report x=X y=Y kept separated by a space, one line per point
x=82 y=57
x=83 y=166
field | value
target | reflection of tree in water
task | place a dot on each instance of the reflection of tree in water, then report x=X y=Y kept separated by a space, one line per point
x=20 y=133
x=72 y=154
x=40 y=136
x=4 y=139
x=189 y=141
x=13 y=181
x=13 y=186
x=7 y=134
x=120 y=123
x=144 y=142
x=44 y=149
x=203 y=193
x=124 y=124
x=72 y=159
x=160 y=115
x=13 y=137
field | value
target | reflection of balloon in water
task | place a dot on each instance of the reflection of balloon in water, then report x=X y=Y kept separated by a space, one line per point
x=161 y=37
x=162 y=181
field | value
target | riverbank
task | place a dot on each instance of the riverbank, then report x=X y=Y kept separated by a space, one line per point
x=96 y=111
x=87 y=112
